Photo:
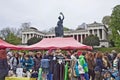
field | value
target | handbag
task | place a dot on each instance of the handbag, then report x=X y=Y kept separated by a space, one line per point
x=80 y=68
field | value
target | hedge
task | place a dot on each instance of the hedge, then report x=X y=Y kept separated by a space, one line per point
x=104 y=49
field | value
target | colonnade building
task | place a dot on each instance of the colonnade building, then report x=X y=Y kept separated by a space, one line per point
x=98 y=29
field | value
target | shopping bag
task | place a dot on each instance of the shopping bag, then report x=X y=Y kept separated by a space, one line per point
x=19 y=72
x=66 y=72
x=40 y=74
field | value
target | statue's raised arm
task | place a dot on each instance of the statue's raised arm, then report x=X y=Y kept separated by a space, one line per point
x=62 y=15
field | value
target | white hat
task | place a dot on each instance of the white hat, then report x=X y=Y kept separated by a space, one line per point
x=113 y=51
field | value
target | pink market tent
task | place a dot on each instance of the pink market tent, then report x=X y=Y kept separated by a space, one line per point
x=61 y=43
x=4 y=44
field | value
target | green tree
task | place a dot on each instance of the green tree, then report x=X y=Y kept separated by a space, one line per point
x=111 y=43
x=66 y=29
x=13 y=39
x=106 y=20
x=115 y=25
x=52 y=29
x=91 y=40
x=33 y=40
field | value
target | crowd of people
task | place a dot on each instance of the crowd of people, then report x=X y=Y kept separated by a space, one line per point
x=83 y=65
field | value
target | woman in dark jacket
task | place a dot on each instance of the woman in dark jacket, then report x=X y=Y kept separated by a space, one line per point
x=98 y=66
x=3 y=64
x=37 y=61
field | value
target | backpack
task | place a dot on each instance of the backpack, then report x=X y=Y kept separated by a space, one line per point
x=45 y=63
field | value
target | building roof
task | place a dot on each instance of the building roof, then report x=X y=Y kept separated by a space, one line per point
x=70 y=31
x=33 y=29
x=95 y=24
x=81 y=28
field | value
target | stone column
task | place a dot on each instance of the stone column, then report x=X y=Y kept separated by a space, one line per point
x=28 y=36
x=90 y=32
x=103 y=34
x=85 y=35
x=93 y=32
x=77 y=37
x=81 y=37
x=32 y=35
x=74 y=36
x=36 y=35
x=98 y=33
x=23 y=38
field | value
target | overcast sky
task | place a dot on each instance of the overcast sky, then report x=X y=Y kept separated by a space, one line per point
x=43 y=14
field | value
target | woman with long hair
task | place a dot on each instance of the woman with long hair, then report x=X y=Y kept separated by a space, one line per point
x=91 y=64
x=14 y=61
x=37 y=61
x=98 y=66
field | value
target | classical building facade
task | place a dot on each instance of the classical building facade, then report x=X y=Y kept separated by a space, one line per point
x=98 y=29
x=29 y=33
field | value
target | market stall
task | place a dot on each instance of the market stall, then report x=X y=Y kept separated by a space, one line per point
x=4 y=45
x=59 y=42
x=4 y=68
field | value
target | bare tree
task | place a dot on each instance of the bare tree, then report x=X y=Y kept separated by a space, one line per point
x=25 y=25
x=5 y=31
x=17 y=32
x=52 y=29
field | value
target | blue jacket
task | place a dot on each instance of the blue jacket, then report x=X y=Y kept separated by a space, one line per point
x=99 y=64
x=28 y=64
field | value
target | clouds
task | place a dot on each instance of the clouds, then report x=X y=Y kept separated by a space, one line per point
x=43 y=13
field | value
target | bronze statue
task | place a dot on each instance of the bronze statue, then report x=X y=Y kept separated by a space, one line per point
x=59 y=29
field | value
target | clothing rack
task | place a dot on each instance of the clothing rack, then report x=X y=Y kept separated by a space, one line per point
x=61 y=63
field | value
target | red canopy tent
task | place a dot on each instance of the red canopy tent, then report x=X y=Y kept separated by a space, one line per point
x=61 y=43
x=4 y=44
